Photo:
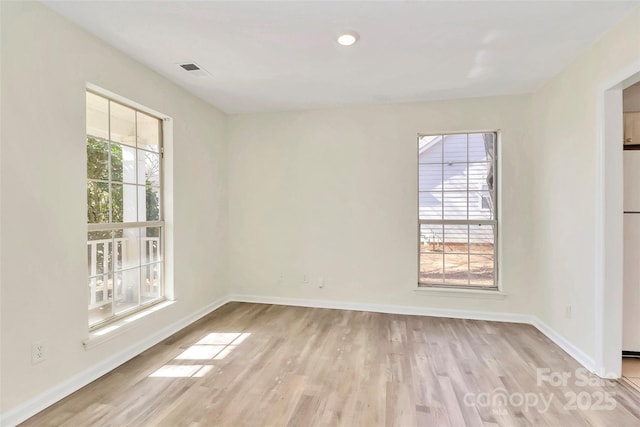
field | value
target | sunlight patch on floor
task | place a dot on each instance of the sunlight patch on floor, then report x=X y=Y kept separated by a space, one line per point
x=179 y=371
x=213 y=346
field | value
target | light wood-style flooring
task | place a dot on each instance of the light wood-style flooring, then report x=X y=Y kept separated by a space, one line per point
x=631 y=371
x=268 y=365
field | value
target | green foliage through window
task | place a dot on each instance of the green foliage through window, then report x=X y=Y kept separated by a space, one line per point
x=100 y=198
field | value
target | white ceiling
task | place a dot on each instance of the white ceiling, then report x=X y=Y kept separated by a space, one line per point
x=269 y=56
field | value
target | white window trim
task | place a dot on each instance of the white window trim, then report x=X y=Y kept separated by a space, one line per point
x=122 y=325
x=492 y=293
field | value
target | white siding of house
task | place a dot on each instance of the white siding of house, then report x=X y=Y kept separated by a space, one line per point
x=442 y=184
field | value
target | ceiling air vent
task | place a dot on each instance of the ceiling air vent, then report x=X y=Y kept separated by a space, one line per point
x=193 y=69
x=190 y=67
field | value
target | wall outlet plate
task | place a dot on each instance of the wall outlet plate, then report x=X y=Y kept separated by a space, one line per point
x=38 y=353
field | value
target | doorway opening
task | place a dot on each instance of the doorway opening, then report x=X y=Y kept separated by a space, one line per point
x=610 y=230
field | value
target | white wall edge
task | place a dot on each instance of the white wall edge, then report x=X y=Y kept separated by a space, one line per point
x=53 y=395
x=65 y=388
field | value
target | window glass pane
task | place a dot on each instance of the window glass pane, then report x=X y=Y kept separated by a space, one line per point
x=100 y=298
x=118 y=250
x=149 y=203
x=430 y=149
x=97 y=116
x=99 y=257
x=477 y=147
x=477 y=172
x=99 y=252
x=123 y=124
x=431 y=237
x=150 y=281
x=97 y=159
x=456 y=238
x=486 y=200
x=430 y=205
x=150 y=244
x=431 y=268
x=148 y=168
x=455 y=177
x=127 y=289
x=97 y=202
x=148 y=132
x=456 y=269
x=431 y=261
x=455 y=149
x=481 y=238
x=123 y=205
x=481 y=269
x=127 y=248
x=455 y=205
x=430 y=177
x=480 y=205
x=154 y=204
x=123 y=163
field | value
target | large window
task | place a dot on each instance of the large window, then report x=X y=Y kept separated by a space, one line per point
x=124 y=210
x=457 y=210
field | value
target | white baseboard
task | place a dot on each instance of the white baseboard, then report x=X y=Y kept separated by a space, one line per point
x=49 y=397
x=383 y=308
x=65 y=388
x=580 y=356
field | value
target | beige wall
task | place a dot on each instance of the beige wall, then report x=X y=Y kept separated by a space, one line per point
x=332 y=194
x=46 y=63
x=565 y=135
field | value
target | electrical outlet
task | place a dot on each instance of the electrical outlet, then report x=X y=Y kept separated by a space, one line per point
x=321 y=283
x=567 y=312
x=38 y=353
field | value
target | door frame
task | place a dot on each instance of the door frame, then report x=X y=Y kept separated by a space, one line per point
x=609 y=222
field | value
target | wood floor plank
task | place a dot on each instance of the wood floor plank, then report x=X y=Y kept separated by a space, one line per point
x=268 y=365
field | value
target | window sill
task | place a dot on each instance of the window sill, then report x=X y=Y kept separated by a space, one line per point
x=112 y=330
x=462 y=293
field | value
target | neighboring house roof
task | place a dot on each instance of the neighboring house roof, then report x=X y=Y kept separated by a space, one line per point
x=426 y=142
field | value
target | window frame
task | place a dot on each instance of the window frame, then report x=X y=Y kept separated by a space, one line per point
x=496 y=221
x=112 y=226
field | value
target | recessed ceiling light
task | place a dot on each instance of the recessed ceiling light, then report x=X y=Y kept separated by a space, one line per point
x=347 y=39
